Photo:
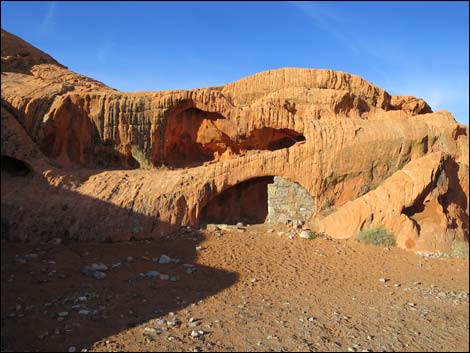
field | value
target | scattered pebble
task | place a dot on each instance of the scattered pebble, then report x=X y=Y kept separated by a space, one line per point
x=305 y=234
x=150 y=330
x=197 y=333
x=152 y=274
x=91 y=272
x=173 y=323
x=56 y=241
x=117 y=264
x=211 y=227
x=43 y=335
x=164 y=259
x=99 y=267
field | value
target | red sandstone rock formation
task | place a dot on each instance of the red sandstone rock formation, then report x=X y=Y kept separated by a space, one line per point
x=143 y=164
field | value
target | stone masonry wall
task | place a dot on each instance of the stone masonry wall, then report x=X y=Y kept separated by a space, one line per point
x=288 y=201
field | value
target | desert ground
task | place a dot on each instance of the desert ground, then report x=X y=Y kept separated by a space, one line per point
x=247 y=289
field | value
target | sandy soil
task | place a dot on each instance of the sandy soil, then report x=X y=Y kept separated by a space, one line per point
x=250 y=291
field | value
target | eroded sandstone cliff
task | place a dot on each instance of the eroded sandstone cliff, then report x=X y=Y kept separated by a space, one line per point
x=114 y=165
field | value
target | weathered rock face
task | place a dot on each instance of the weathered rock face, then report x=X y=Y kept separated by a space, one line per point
x=20 y=56
x=418 y=202
x=143 y=164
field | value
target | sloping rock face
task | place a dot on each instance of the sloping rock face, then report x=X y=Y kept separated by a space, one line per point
x=109 y=165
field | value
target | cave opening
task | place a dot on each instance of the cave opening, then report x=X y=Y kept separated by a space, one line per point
x=14 y=167
x=267 y=199
x=193 y=137
x=245 y=202
x=271 y=139
x=187 y=138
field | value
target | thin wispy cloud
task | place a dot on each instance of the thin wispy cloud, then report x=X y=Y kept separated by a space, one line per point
x=390 y=65
x=327 y=22
x=48 y=20
x=332 y=24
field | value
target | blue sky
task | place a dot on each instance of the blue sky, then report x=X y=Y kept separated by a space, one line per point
x=407 y=48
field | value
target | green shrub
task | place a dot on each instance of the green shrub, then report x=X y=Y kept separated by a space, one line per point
x=460 y=249
x=376 y=236
x=308 y=234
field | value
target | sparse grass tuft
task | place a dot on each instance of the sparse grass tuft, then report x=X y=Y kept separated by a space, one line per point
x=376 y=236
x=312 y=235
x=308 y=234
x=460 y=250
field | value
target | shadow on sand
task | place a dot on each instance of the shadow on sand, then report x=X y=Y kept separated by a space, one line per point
x=52 y=283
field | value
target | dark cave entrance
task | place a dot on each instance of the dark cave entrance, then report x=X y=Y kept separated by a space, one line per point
x=245 y=202
x=194 y=136
x=14 y=167
x=268 y=199
x=271 y=139
x=184 y=137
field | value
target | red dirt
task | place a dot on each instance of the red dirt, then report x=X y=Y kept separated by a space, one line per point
x=252 y=291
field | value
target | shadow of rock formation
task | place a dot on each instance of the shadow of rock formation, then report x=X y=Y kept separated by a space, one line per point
x=52 y=281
